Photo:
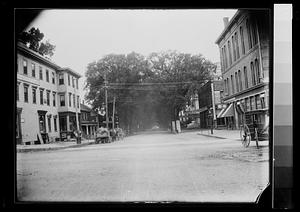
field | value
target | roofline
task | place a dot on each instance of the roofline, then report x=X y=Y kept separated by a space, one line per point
x=24 y=48
x=225 y=30
x=70 y=71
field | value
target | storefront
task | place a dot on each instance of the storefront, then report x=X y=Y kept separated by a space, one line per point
x=67 y=124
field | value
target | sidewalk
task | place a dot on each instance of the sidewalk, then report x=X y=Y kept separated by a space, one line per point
x=53 y=146
x=227 y=134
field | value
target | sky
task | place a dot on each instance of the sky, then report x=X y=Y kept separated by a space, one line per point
x=83 y=36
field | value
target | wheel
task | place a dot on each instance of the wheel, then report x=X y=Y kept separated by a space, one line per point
x=245 y=135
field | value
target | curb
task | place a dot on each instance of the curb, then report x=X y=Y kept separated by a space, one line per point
x=54 y=148
x=212 y=136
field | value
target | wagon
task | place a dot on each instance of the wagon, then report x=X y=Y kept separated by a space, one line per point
x=102 y=137
x=252 y=129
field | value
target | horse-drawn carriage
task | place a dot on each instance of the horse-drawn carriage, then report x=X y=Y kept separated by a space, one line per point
x=253 y=129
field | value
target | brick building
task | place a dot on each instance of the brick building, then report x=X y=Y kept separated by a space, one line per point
x=244 y=51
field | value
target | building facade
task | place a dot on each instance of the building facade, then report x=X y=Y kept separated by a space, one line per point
x=210 y=104
x=244 y=51
x=47 y=106
x=89 y=122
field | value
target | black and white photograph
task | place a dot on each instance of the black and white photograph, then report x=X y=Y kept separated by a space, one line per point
x=143 y=105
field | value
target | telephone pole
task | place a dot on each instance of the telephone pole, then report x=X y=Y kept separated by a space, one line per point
x=113 y=115
x=106 y=106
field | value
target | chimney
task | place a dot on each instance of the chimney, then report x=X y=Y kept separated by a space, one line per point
x=226 y=21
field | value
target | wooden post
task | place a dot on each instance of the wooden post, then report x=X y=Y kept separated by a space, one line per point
x=113 y=115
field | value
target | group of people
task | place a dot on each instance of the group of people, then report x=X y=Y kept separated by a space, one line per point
x=109 y=135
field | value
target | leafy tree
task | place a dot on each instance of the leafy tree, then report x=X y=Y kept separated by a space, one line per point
x=33 y=38
x=147 y=90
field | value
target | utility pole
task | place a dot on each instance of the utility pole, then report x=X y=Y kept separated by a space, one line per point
x=113 y=116
x=106 y=106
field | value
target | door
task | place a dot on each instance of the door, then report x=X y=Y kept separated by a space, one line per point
x=18 y=126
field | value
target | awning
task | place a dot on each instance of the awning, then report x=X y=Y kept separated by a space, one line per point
x=228 y=112
x=240 y=109
x=221 y=112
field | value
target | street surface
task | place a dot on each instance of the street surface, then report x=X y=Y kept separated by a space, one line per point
x=186 y=167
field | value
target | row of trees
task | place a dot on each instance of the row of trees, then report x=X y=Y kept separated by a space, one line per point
x=33 y=38
x=148 y=90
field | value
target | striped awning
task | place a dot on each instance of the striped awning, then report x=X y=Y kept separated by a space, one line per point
x=228 y=111
x=221 y=112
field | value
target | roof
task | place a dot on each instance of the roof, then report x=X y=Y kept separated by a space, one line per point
x=23 y=48
x=232 y=20
x=70 y=71
x=85 y=107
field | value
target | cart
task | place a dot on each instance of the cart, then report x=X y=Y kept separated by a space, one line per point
x=102 y=137
x=252 y=129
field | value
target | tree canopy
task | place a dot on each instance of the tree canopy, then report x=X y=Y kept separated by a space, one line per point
x=149 y=89
x=34 y=38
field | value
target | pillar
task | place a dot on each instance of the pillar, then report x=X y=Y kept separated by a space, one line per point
x=236 y=118
x=87 y=129
x=68 y=123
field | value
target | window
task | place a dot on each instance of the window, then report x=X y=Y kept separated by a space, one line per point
x=55 y=123
x=33 y=69
x=47 y=75
x=237 y=45
x=54 y=99
x=34 y=95
x=48 y=98
x=225 y=54
x=73 y=84
x=77 y=101
x=70 y=101
x=262 y=101
x=249 y=34
x=41 y=73
x=41 y=96
x=49 y=123
x=258 y=102
x=253 y=74
x=254 y=34
x=228 y=88
x=240 y=80
x=232 y=84
x=229 y=51
x=25 y=67
x=53 y=77
x=252 y=102
x=63 y=123
x=233 y=48
x=18 y=90
x=62 y=99
x=237 y=82
x=242 y=40
x=69 y=80
x=225 y=86
x=25 y=93
x=74 y=104
x=247 y=103
x=246 y=77
x=256 y=63
x=61 y=79
x=76 y=83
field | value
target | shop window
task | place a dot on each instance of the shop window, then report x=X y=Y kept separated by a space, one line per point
x=63 y=123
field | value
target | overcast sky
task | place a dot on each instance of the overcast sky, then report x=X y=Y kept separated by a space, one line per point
x=83 y=36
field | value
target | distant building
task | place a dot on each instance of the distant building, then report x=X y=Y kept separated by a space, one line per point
x=210 y=104
x=244 y=50
x=89 y=122
x=47 y=104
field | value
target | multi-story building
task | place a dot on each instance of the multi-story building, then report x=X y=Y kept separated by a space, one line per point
x=210 y=104
x=244 y=51
x=47 y=98
x=89 y=122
